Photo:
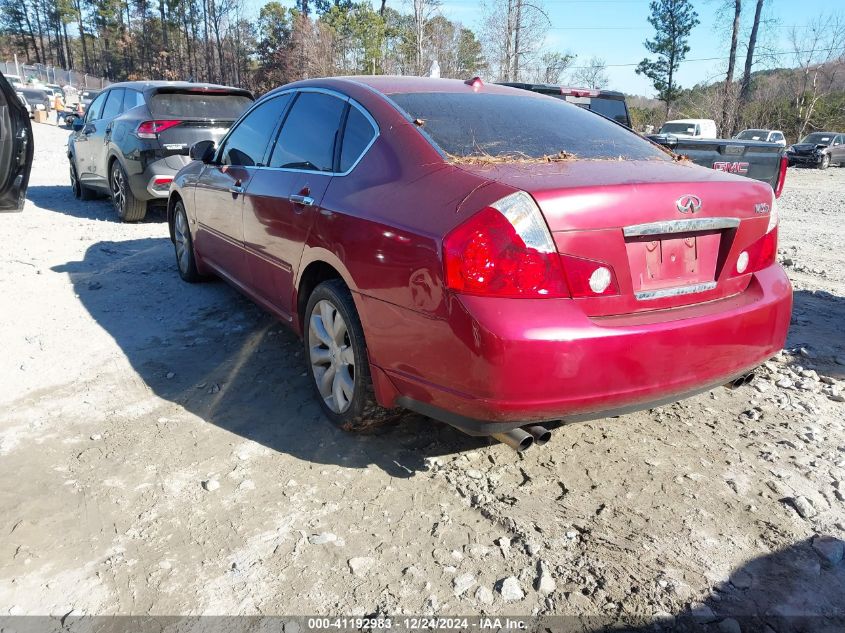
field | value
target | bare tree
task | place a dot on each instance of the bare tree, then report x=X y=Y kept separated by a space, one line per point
x=819 y=57
x=745 y=86
x=592 y=75
x=424 y=11
x=513 y=33
x=729 y=103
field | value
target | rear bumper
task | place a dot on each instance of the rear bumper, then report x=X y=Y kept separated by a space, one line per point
x=496 y=364
x=141 y=176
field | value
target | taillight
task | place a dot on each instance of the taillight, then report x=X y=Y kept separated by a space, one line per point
x=762 y=253
x=784 y=163
x=588 y=278
x=151 y=129
x=505 y=250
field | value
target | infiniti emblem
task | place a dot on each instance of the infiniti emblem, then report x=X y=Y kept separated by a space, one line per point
x=688 y=203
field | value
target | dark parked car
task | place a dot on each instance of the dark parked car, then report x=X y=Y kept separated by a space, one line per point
x=135 y=136
x=37 y=98
x=87 y=96
x=821 y=149
x=487 y=256
x=15 y=148
x=608 y=103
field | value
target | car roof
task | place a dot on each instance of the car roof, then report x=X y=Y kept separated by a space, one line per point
x=151 y=85
x=689 y=120
x=393 y=84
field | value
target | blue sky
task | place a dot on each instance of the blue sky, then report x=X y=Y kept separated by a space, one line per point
x=616 y=29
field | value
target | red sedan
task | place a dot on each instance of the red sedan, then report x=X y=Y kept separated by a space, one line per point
x=486 y=256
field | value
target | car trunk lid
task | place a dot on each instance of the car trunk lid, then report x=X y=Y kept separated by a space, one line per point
x=670 y=233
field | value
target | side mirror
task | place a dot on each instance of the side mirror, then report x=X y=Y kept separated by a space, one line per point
x=78 y=124
x=202 y=151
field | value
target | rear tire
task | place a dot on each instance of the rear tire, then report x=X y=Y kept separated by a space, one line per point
x=80 y=191
x=183 y=244
x=128 y=207
x=337 y=360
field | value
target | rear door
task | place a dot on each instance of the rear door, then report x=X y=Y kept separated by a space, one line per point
x=282 y=201
x=15 y=149
x=101 y=137
x=218 y=196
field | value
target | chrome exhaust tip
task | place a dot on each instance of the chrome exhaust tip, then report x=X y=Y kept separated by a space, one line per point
x=540 y=434
x=517 y=439
x=741 y=381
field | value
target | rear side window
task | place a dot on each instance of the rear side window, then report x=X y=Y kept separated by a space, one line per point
x=308 y=136
x=479 y=124
x=356 y=138
x=198 y=105
x=114 y=102
x=132 y=99
x=247 y=143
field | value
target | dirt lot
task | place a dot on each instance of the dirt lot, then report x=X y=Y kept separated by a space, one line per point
x=161 y=452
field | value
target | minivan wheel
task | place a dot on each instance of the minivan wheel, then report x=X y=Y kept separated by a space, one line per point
x=80 y=191
x=184 y=245
x=825 y=162
x=128 y=207
x=337 y=360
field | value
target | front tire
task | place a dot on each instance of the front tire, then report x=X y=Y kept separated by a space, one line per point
x=825 y=162
x=337 y=359
x=183 y=244
x=80 y=191
x=128 y=207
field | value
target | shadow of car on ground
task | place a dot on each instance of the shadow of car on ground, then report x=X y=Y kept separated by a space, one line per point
x=215 y=353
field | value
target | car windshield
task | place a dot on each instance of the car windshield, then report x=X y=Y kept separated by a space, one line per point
x=818 y=138
x=199 y=105
x=753 y=135
x=519 y=127
x=678 y=128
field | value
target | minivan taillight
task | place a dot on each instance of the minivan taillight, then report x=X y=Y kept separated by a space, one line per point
x=504 y=250
x=151 y=129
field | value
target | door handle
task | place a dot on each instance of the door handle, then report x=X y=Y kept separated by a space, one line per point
x=236 y=189
x=306 y=201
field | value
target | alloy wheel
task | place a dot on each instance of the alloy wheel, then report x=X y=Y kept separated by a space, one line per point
x=332 y=357
x=181 y=237
x=118 y=189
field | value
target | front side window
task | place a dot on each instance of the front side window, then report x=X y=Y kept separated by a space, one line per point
x=248 y=141
x=498 y=125
x=309 y=134
x=96 y=108
x=114 y=103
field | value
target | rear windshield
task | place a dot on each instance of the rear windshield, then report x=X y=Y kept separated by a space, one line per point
x=611 y=108
x=478 y=124
x=198 y=105
x=678 y=128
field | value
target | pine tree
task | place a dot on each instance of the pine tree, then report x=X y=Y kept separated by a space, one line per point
x=673 y=20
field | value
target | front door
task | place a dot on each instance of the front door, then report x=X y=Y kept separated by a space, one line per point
x=15 y=149
x=84 y=141
x=219 y=192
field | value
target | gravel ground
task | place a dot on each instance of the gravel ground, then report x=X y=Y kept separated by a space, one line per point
x=161 y=452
